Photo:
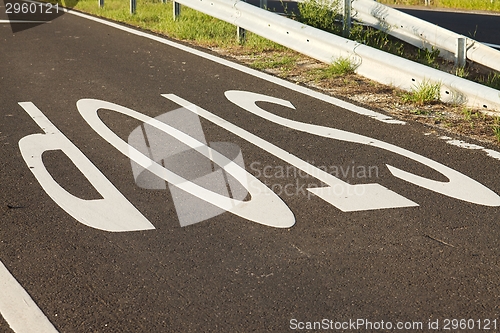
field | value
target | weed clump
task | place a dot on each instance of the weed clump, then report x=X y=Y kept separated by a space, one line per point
x=321 y=14
x=423 y=93
x=339 y=67
x=492 y=80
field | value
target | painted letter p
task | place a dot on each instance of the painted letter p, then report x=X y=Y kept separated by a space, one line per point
x=111 y=213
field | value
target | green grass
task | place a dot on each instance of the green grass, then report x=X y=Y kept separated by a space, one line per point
x=321 y=14
x=156 y=16
x=339 y=67
x=496 y=128
x=420 y=112
x=284 y=62
x=428 y=58
x=457 y=4
x=492 y=80
x=462 y=72
x=472 y=116
x=383 y=41
x=423 y=93
x=377 y=39
x=467 y=114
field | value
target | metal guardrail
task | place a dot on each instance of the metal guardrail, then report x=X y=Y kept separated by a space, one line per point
x=422 y=34
x=495 y=46
x=372 y=63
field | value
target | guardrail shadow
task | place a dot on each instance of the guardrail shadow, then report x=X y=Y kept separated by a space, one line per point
x=23 y=15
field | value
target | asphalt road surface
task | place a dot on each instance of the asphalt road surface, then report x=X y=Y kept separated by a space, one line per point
x=118 y=220
x=481 y=27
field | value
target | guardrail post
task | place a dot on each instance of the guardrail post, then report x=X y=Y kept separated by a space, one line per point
x=133 y=6
x=346 y=26
x=461 y=53
x=101 y=3
x=176 y=7
x=241 y=34
x=427 y=2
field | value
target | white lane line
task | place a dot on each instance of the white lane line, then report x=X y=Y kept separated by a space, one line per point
x=21 y=21
x=264 y=207
x=18 y=308
x=462 y=144
x=292 y=86
x=344 y=196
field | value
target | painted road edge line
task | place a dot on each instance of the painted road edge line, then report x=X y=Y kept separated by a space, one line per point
x=290 y=85
x=20 y=21
x=18 y=308
x=462 y=144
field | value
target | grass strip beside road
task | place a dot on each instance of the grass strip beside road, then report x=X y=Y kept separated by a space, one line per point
x=483 y=5
x=158 y=17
